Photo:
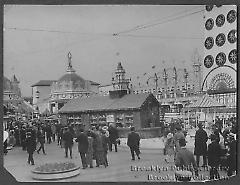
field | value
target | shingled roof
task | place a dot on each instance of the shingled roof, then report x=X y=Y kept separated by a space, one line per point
x=104 y=103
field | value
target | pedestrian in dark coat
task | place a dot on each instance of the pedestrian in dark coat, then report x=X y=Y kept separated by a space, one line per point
x=23 y=137
x=31 y=146
x=98 y=149
x=41 y=140
x=133 y=142
x=68 y=141
x=113 y=136
x=200 y=148
x=214 y=156
x=17 y=135
x=232 y=157
x=49 y=133
x=82 y=140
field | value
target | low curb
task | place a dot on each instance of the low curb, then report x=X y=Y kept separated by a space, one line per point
x=55 y=175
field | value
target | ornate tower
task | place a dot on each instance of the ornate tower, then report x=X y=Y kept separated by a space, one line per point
x=119 y=82
x=15 y=85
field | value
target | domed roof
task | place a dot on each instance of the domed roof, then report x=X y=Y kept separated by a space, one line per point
x=71 y=77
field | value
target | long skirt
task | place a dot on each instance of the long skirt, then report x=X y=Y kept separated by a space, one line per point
x=89 y=158
x=100 y=158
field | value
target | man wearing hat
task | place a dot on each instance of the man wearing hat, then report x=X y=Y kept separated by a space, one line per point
x=31 y=146
x=82 y=140
x=214 y=156
x=68 y=141
x=200 y=145
x=23 y=137
x=133 y=143
x=113 y=136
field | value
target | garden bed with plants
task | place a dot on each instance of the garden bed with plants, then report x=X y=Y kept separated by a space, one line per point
x=54 y=171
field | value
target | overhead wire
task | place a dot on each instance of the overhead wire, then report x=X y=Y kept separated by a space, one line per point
x=139 y=27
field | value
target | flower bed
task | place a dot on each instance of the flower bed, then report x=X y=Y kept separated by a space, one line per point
x=54 y=171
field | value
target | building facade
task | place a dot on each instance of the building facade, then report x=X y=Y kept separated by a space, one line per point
x=220 y=55
x=13 y=103
x=40 y=94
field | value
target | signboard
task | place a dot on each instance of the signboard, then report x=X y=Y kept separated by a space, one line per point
x=110 y=118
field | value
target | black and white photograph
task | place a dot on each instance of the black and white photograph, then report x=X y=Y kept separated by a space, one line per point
x=120 y=93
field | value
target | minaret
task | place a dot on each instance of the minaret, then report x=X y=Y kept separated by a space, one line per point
x=196 y=59
x=69 y=67
x=15 y=85
x=119 y=82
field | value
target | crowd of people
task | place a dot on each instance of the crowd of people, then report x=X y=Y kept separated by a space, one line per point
x=95 y=143
x=219 y=154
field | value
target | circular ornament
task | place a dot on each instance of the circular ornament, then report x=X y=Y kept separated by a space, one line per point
x=208 y=61
x=220 y=59
x=209 y=24
x=209 y=43
x=209 y=7
x=220 y=20
x=231 y=16
x=232 y=57
x=232 y=36
x=220 y=39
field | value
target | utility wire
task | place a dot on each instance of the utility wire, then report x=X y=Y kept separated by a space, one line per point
x=54 y=31
x=158 y=23
x=156 y=36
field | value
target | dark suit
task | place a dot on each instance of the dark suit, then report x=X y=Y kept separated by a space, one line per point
x=214 y=154
x=200 y=148
x=232 y=158
x=113 y=136
x=31 y=147
x=82 y=140
x=68 y=142
x=133 y=143
x=41 y=140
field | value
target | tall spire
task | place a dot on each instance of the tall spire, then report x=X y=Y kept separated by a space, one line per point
x=69 y=67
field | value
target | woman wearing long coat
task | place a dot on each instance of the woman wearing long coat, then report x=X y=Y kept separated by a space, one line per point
x=99 y=150
x=200 y=148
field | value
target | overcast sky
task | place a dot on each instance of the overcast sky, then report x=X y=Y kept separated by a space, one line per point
x=38 y=38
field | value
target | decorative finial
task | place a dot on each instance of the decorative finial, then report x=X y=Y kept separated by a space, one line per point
x=69 y=59
x=69 y=55
x=69 y=67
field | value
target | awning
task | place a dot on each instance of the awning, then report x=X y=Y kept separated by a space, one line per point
x=206 y=102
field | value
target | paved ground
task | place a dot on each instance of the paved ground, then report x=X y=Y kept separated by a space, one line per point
x=121 y=167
